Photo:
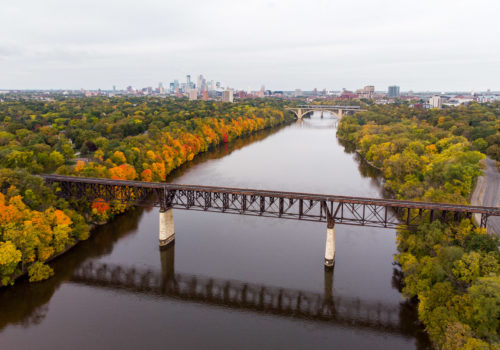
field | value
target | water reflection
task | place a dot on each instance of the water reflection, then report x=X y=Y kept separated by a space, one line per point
x=223 y=150
x=26 y=303
x=336 y=309
x=326 y=123
x=123 y=256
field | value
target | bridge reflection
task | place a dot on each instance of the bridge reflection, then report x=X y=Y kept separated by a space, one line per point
x=327 y=123
x=325 y=307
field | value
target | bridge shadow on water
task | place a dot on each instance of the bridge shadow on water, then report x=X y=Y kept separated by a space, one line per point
x=237 y=295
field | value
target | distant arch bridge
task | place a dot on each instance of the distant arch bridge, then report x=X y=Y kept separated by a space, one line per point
x=339 y=111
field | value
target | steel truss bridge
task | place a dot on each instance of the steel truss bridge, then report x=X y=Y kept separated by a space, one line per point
x=332 y=209
x=344 y=311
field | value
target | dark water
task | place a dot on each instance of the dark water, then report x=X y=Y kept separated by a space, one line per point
x=229 y=281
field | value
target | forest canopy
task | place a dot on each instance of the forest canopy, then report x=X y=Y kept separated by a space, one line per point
x=453 y=270
x=130 y=138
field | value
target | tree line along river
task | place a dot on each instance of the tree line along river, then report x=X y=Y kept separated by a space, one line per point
x=118 y=290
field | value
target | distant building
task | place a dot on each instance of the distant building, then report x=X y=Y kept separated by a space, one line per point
x=193 y=95
x=204 y=95
x=436 y=101
x=348 y=95
x=227 y=96
x=366 y=92
x=393 y=91
x=199 y=82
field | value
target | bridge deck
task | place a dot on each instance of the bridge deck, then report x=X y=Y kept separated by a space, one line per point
x=374 y=212
x=490 y=211
x=330 y=107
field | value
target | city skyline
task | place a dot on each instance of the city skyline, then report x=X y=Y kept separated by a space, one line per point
x=439 y=46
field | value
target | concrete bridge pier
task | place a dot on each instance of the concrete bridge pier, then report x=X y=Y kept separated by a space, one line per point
x=167 y=232
x=299 y=113
x=330 y=246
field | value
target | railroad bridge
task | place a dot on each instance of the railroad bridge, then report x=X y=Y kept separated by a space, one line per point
x=339 y=111
x=329 y=209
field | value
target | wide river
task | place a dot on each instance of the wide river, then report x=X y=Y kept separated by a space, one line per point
x=230 y=281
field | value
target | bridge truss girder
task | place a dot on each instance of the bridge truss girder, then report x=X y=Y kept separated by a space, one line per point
x=315 y=208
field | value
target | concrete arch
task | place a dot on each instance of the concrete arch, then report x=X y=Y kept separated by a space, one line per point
x=301 y=113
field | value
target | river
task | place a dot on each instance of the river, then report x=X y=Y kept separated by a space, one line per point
x=114 y=306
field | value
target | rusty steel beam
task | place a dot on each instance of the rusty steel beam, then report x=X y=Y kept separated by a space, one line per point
x=374 y=212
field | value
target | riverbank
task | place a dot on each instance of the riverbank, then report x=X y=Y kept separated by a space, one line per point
x=450 y=268
x=216 y=151
x=275 y=254
x=358 y=152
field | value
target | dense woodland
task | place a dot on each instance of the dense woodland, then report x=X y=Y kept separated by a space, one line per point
x=121 y=138
x=435 y=155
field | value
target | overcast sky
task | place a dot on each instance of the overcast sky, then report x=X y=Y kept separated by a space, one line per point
x=419 y=45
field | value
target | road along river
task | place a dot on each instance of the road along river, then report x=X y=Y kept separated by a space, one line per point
x=229 y=281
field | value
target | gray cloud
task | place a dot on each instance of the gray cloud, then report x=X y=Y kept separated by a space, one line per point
x=284 y=44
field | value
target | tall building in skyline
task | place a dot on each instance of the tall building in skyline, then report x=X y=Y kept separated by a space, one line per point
x=393 y=91
x=198 y=82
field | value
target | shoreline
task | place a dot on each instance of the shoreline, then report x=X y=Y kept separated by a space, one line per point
x=94 y=225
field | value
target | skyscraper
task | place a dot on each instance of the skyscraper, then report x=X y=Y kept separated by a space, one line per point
x=199 y=82
x=393 y=91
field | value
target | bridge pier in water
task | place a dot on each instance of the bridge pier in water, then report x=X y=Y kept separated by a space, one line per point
x=370 y=212
x=167 y=230
x=167 y=258
x=330 y=246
